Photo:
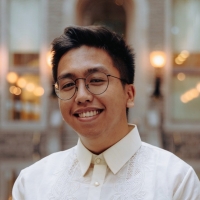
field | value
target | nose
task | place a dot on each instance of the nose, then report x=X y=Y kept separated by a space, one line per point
x=82 y=94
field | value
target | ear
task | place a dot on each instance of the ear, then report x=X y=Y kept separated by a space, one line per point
x=130 y=92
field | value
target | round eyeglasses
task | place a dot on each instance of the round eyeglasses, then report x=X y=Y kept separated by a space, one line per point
x=96 y=83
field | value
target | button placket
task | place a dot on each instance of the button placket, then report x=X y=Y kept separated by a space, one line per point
x=97 y=181
x=98 y=160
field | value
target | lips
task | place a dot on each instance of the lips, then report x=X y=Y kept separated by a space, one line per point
x=90 y=113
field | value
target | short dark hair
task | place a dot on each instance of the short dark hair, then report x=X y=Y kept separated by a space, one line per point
x=99 y=37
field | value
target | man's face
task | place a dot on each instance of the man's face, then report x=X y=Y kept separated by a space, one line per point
x=93 y=116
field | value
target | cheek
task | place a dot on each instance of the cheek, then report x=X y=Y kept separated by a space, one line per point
x=64 y=108
x=117 y=93
x=116 y=99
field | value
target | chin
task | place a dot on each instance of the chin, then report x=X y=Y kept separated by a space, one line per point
x=90 y=134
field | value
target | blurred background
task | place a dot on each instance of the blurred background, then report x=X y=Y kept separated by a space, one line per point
x=165 y=38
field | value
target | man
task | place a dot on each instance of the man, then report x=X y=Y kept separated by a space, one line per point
x=93 y=70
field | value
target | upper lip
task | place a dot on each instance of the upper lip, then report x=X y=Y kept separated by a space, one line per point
x=82 y=110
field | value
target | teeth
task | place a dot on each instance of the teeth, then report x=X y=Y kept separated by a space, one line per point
x=88 y=114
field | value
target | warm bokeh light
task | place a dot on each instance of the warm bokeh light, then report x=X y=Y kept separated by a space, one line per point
x=178 y=62
x=184 y=54
x=11 y=89
x=189 y=95
x=15 y=90
x=198 y=87
x=182 y=57
x=184 y=99
x=21 y=82
x=49 y=57
x=39 y=91
x=194 y=93
x=12 y=77
x=181 y=76
x=158 y=59
x=18 y=91
x=30 y=87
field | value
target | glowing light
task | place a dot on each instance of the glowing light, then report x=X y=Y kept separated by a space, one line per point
x=184 y=54
x=184 y=99
x=49 y=57
x=182 y=57
x=21 y=82
x=11 y=89
x=189 y=95
x=181 y=76
x=195 y=93
x=157 y=59
x=39 y=91
x=30 y=87
x=12 y=77
x=178 y=62
x=15 y=90
x=198 y=87
x=18 y=91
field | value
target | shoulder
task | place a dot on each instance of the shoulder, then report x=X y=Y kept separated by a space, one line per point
x=51 y=163
x=172 y=172
x=164 y=159
x=43 y=173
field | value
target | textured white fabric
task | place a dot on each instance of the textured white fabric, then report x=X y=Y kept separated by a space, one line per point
x=129 y=170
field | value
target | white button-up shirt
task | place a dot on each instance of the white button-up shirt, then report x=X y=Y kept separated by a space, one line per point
x=129 y=170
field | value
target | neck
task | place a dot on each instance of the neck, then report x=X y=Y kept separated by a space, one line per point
x=99 y=144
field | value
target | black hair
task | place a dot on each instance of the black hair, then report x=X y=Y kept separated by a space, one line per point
x=99 y=37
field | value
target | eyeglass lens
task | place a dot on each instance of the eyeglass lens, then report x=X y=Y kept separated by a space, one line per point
x=95 y=83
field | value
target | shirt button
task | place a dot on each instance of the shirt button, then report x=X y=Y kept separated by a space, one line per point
x=96 y=183
x=98 y=160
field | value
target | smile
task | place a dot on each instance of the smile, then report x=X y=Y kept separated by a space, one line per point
x=88 y=113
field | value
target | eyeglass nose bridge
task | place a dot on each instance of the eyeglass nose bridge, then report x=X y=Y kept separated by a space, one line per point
x=86 y=85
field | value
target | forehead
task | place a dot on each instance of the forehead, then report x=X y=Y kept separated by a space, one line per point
x=84 y=60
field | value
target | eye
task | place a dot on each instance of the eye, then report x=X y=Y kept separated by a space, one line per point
x=97 y=81
x=68 y=86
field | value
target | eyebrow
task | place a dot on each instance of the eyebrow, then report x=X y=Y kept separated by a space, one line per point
x=96 y=69
x=66 y=75
x=88 y=71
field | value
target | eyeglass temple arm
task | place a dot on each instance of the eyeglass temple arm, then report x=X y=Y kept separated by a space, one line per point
x=118 y=78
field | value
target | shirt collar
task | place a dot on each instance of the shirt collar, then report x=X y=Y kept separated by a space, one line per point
x=116 y=156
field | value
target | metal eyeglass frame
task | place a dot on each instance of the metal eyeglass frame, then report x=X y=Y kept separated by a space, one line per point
x=76 y=88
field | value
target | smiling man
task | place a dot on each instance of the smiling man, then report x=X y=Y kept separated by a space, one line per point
x=93 y=70
x=97 y=109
